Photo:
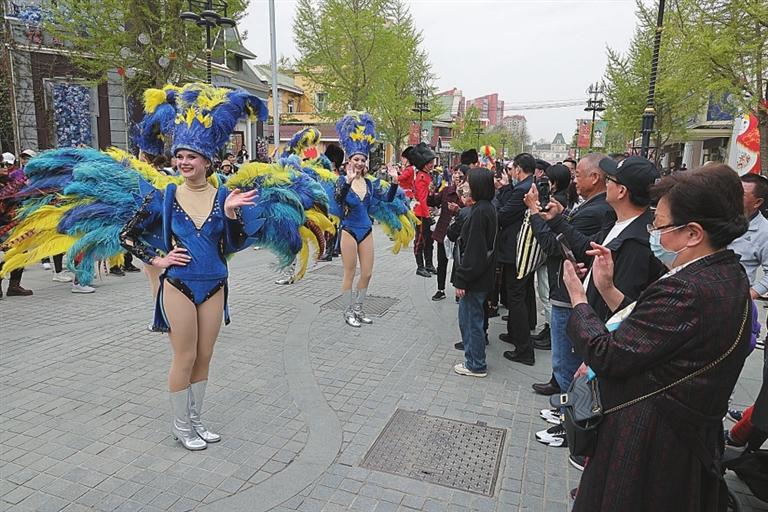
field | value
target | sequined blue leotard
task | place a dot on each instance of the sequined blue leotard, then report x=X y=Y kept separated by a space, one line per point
x=356 y=221
x=207 y=272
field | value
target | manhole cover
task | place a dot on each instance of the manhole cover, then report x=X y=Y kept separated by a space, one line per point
x=329 y=270
x=374 y=304
x=438 y=450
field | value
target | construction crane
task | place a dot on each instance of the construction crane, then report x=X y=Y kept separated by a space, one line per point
x=544 y=105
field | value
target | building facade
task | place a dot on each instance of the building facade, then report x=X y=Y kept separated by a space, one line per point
x=53 y=104
x=491 y=108
x=552 y=152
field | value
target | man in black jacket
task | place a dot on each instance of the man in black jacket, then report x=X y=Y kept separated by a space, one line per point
x=635 y=266
x=588 y=218
x=511 y=210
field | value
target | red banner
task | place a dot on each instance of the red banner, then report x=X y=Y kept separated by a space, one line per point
x=585 y=129
x=414 y=137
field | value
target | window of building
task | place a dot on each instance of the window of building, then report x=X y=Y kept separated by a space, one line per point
x=320 y=98
x=291 y=106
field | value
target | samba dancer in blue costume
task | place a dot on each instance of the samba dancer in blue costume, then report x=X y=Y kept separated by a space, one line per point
x=199 y=225
x=356 y=193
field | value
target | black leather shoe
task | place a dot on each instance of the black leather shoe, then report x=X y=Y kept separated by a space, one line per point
x=543 y=335
x=458 y=346
x=506 y=338
x=546 y=389
x=431 y=269
x=526 y=357
x=131 y=268
x=505 y=318
x=543 y=344
x=423 y=272
x=116 y=271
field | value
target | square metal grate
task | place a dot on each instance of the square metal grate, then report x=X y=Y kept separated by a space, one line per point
x=438 y=450
x=329 y=270
x=374 y=304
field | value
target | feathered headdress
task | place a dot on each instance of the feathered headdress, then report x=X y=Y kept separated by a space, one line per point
x=206 y=117
x=301 y=142
x=487 y=152
x=159 y=119
x=357 y=133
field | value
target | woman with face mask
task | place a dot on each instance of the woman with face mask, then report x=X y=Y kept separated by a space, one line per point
x=660 y=453
x=356 y=193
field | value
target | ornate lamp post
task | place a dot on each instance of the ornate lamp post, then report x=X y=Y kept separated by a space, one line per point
x=208 y=14
x=649 y=114
x=421 y=106
x=595 y=104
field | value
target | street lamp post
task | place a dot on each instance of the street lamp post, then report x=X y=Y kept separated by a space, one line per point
x=595 y=104
x=503 y=144
x=649 y=114
x=478 y=132
x=206 y=13
x=421 y=106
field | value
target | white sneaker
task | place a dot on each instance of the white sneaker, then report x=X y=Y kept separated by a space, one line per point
x=62 y=277
x=550 y=415
x=81 y=288
x=46 y=266
x=545 y=436
x=463 y=370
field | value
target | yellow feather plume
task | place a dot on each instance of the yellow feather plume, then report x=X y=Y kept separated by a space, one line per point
x=272 y=174
x=307 y=237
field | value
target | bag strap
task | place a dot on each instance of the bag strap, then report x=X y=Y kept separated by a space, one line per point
x=691 y=375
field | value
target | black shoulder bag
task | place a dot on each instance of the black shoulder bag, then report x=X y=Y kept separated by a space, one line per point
x=583 y=409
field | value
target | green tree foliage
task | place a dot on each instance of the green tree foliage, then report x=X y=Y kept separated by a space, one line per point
x=679 y=90
x=364 y=55
x=104 y=35
x=469 y=133
x=727 y=42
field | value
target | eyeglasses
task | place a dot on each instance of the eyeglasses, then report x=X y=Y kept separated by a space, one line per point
x=651 y=228
x=609 y=178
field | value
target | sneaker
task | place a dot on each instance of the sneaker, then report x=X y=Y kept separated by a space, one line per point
x=46 y=266
x=81 y=288
x=131 y=268
x=559 y=441
x=439 y=295
x=735 y=415
x=544 y=436
x=430 y=269
x=62 y=277
x=760 y=345
x=116 y=271
x=577 y=461
x=551 y=416
x=423 y=272
x=463 y=370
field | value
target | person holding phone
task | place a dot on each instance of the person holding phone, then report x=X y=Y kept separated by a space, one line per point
x=587 y=219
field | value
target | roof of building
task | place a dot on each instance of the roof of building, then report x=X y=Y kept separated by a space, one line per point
x=559 y=139
x=284 y=81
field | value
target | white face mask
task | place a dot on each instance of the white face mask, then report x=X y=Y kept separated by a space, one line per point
x=663 y=254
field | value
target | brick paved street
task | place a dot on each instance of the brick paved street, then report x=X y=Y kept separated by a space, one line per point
x=298 y=397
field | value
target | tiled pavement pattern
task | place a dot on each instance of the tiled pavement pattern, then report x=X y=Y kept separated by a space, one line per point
x=298 y=397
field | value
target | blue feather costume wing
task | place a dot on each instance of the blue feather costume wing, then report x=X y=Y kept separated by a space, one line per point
x=82 y=215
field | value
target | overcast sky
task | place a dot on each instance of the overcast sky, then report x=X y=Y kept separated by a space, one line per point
x=528 y=51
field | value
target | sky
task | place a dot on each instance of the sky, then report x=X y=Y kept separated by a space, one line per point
x=527 y=51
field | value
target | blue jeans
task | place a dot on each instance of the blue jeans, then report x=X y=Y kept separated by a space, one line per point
x=471 y=319
x=564 y=360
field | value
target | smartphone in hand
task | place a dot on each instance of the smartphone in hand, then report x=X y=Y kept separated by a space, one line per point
x=543 y=187
x=565 y=249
